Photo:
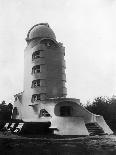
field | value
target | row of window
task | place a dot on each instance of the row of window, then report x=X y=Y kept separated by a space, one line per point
x=36 y=83
x=47 y=43
x=37 y=55
x=36 y=69
x=64 y=111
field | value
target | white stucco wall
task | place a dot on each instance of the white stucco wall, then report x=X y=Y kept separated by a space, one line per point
x=69 y=125
x=78 y=110
x=100 y=120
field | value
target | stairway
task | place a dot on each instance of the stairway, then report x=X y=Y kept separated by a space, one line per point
x=94 y=129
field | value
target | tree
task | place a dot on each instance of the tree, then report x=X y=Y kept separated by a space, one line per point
x=3 y=103
x=5 y=111
x=105 y=107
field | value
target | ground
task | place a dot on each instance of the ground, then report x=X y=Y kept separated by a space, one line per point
x=48 y=145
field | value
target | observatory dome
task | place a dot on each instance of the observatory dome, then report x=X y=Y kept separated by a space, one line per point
x=41 y=30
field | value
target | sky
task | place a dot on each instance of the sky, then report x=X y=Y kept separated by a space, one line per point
x=87 y=29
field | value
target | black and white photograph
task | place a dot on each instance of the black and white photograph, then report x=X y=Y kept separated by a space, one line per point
x=57 y=77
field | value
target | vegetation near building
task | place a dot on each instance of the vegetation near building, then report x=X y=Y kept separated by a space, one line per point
x=106 y=107
x=5 y=111
x=101 y=106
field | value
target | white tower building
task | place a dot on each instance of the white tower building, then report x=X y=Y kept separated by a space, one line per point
x=44 y=97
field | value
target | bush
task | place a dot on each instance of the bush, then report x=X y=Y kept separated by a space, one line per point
x=5 y=111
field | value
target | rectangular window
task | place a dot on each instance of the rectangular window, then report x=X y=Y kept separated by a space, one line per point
x=36 y=69
x=35 y=98
x=36 y=83
x=36 y=55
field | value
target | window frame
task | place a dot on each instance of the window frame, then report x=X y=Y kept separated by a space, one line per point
x=36 y=69
x=36 y=83
x=36 y=53
x=44 y=113
x=35 y=98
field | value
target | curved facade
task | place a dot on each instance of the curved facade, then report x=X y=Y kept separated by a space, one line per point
x=41 y=30
x=44 y=68
x=44 y=97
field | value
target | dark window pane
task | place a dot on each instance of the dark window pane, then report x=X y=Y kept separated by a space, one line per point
x=44 y=113
x=36 y=55
x=35 y=97
x=65 y=111
x=36 y=69
x=36 y=83
x=48 y=43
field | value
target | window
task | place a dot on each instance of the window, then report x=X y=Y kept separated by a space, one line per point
x=35 y=97
x=48 y=43
x=36 y=69
x=44 y=113
x=36 y=55
x=35 y=83
x=65 y=110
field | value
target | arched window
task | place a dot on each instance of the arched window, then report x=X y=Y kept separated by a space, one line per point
x=35 y=97
x=36 y=69
x=35 y=83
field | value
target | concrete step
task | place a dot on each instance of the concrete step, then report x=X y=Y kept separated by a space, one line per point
x=94 y=129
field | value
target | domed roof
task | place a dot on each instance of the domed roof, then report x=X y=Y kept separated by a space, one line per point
x=41 y=30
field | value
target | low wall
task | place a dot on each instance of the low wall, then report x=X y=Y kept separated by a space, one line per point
x=69 y=126
x=78 y=111
x=100 y=120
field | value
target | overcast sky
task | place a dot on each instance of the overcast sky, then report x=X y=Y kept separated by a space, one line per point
x=87 y=28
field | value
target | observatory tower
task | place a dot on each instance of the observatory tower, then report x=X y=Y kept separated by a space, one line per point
x=43 y=100
x=44 y=69
x=44 y=65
